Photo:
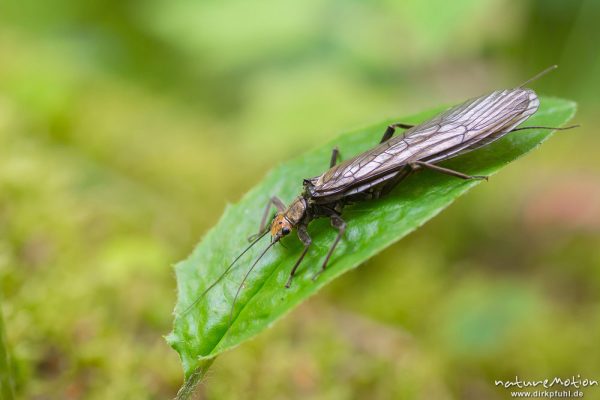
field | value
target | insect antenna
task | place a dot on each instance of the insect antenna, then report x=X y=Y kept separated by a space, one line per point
x=246 y=277
x=212 y=285
x=539 y=75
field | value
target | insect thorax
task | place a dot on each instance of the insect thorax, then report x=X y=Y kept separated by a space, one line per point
x=296 y=210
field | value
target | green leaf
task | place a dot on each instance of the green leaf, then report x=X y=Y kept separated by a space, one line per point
x=203 y=332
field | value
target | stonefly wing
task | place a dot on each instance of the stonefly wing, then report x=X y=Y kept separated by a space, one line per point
x=460 y=129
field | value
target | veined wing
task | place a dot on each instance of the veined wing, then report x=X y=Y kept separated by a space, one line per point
x=462 y=128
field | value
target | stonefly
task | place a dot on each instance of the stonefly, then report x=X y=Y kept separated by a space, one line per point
x=372 y=174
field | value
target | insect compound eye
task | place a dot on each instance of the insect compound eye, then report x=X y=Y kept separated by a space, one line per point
x=285 y=230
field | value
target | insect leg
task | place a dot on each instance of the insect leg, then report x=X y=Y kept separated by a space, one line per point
x=335 y=154
x=338 y=223
x=306 y=240
x=446 y=171
x=545 y=127
x=391 y=184
x=273 y=201
x=389 y=132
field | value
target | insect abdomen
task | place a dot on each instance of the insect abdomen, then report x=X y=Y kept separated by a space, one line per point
x=462 y=128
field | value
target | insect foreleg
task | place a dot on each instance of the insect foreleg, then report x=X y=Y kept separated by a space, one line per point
x=389 y=132
x=335 y=154
x=273 y=201
x=306 y=240
x=338 y=223
x=447 y=171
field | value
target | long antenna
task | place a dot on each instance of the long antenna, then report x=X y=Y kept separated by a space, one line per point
x=246 y=277
x=259 y=236
x=538 y=75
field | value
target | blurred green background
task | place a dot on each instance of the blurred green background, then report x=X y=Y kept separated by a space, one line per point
x=126 y=127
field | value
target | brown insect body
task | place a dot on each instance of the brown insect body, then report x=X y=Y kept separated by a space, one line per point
x=475 y=123
x=460 y=129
